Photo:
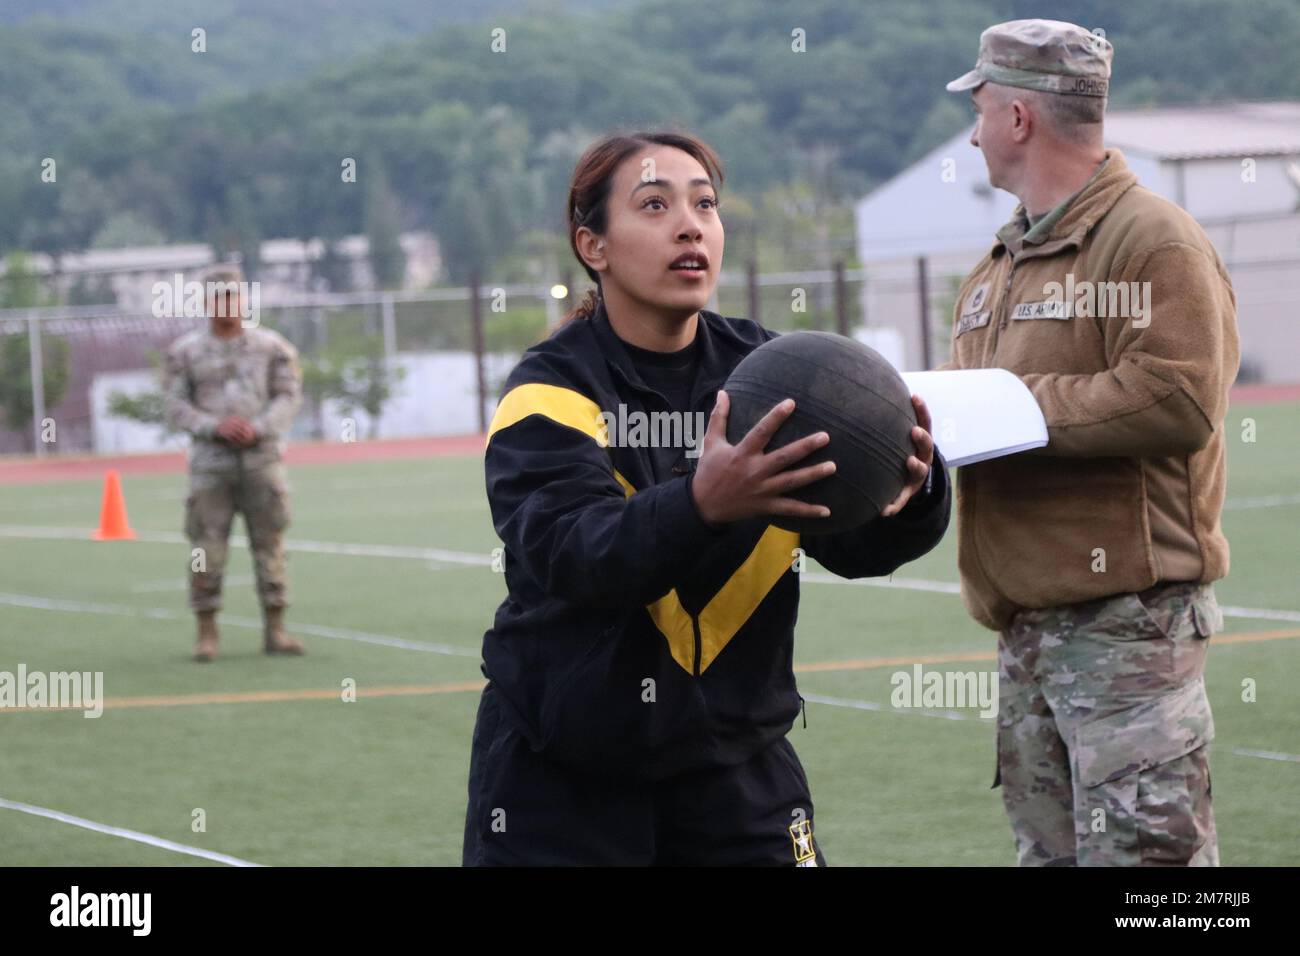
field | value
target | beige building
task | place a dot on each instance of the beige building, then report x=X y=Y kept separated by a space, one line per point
x=286 y=267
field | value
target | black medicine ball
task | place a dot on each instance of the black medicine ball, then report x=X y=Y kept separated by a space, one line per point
x=845 y=389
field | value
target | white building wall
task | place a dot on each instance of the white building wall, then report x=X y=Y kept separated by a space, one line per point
x=437 y=396
x=1220 y=188
x=943 y=208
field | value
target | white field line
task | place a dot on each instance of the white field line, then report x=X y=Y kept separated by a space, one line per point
x=240 y=541
x=1260 y=613
x=883 y=709
x=362 y=484
x=975 y=717
x=54 y=604
x=1266 y=754
x=180 y=493
x=180 y=584
x=172 y=614
x=477 y=559
x=1264 y=501
x=906 y=584
x=350 y=485
x=125 y=834
x=946 y=587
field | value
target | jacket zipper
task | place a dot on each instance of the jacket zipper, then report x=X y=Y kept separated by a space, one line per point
x=1006 y=294
x=695 y=623
x=1005 y=309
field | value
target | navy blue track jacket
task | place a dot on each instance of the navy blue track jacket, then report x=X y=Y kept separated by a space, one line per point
x=636 y=640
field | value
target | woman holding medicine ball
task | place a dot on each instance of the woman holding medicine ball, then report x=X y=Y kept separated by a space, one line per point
x=640 y=679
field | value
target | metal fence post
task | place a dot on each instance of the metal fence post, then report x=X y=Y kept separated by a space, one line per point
x=841 y=300
x=38 y=383
x=390 y=328
x=923 y=288
x=751 y=282
x=476 y=331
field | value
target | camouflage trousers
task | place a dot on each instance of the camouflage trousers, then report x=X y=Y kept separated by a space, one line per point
x=1104 y=727
x=261 y=495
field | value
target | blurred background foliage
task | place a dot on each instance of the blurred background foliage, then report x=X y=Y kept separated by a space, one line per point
x=157 y=143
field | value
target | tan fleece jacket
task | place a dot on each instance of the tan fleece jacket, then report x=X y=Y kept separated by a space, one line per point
x=1130 y=355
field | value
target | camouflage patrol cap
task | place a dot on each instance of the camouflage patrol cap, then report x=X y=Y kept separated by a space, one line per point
x=222 y=272
x=1046 y=55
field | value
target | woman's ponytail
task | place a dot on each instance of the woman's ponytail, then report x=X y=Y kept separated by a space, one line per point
x=586 y=308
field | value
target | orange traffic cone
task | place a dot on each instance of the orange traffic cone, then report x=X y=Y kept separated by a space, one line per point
x=112 y=514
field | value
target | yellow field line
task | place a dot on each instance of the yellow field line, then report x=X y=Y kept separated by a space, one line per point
x=871 y=662
x=409 y=690
x=874 y=662
x=1256 y=636
x=262 y=696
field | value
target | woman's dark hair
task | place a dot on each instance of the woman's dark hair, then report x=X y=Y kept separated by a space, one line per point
x=593 y=176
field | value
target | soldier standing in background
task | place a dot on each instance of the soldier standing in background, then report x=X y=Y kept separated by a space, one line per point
x=235 y=391
x=1095 y=556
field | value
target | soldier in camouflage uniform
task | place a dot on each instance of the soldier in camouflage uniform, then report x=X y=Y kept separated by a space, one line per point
x=1095 y=556
x=235 y=390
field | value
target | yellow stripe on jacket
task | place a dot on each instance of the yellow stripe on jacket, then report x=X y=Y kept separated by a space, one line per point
x=733 y=604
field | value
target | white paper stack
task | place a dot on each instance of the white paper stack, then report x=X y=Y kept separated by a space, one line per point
x=979 y=414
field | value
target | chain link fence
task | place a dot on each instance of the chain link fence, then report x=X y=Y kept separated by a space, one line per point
x=88 y=380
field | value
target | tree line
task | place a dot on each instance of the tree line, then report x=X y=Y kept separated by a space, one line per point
x=471 y=130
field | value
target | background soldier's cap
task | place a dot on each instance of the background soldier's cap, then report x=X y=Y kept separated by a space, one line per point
x=222 y=272
x=1046 y=55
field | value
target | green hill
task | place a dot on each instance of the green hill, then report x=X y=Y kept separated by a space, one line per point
x=468 y=135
